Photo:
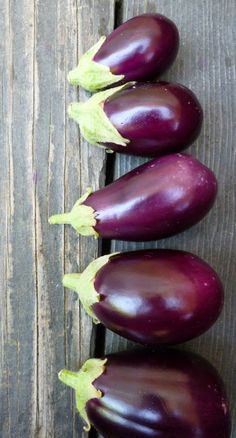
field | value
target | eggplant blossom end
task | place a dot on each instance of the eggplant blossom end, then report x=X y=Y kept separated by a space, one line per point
x=90 y=74
x=83 y=284
x=82 y=217
x=82 y=383
x=94 y=124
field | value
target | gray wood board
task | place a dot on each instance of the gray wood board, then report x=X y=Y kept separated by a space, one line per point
x=206 y=64
x=44 y=168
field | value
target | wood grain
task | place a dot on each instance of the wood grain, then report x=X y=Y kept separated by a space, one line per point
x=17 y=245
x=206 y=63
x=44 y=167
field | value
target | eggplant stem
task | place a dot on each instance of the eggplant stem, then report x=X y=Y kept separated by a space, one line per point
x=82 y=217
x=90 y=74
x=82 y=383
x=75 y=109
x=95 y=126
x=70 y=378
x=71 y=281
x=84 y=284
x=64 y=218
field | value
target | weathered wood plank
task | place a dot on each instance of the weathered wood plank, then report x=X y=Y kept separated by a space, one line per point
x=73 y=169
x=18 y=314
x=206 y=63
x=93 y=20
x=43 y=169
x=53 y=415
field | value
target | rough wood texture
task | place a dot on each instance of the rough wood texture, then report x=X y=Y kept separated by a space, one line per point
x=45 y=166
x=206 y=63
x=43 y=169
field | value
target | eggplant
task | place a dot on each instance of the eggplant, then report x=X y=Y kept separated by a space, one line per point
x=152 y=296
x=144 y=394
x=157 y=199
x=150 y=119
x=140 y=49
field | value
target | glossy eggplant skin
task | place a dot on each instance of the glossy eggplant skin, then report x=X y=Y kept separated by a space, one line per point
x=141 y=48
x=158 y=296
x=165 y=394
x=157 y=118
x=157 y=199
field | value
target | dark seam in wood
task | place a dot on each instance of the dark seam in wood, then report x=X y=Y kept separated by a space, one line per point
x=80 y=140
x=64 y=204
x=10 y=213
x=49 y=153
x=35 y=235
x=119 y=4
x=7 y=297
x=77 y=60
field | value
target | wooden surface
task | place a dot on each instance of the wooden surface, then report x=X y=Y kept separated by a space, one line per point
x=45 y=166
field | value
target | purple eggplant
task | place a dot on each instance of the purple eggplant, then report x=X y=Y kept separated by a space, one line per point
x=155 y=200
x=140 y=49
x=152 y=297
x=151 y=119
x=143 y=394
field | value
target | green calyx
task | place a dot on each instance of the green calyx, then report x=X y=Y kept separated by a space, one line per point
x=81 y=217
x=82 y=383
x=94 y=124
x=83 y=284
x=90 y=74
